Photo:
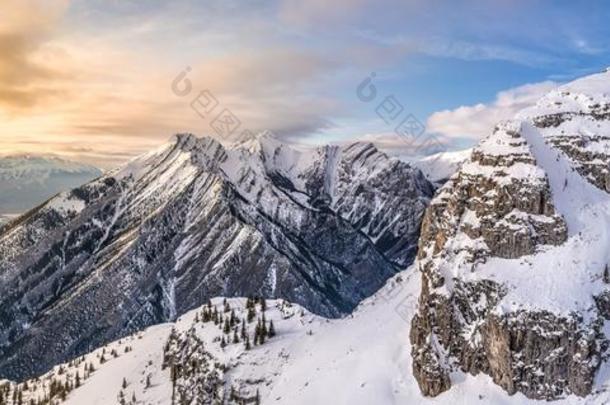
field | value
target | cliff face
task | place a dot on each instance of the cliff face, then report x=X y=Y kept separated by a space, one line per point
x=513 y=254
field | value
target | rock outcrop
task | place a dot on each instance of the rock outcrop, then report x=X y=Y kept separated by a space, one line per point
x=499 y=205
x=511 y=286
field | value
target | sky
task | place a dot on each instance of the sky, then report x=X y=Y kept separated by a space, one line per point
x=100 y=81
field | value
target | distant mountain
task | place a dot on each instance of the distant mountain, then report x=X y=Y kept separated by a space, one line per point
x=27 y=181
x=322 y=227
x=440 y=166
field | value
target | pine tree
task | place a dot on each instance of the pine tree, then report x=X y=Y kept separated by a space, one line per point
x=227 y=327
x=223 y=343
x=124 y=385
x=133 y=398
x=264 y=326
x=243 y=329
x=263 y=304
x=235 y=336
x=233 y=318
x=606 y=275
x=248 y=346
x=77 y=380
x=148 y=383
x=227 y=307
x=256 y=334
x=271 y=332
x=251 y=314
x=215 y=316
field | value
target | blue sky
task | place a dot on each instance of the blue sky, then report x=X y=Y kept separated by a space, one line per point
x=91 y=79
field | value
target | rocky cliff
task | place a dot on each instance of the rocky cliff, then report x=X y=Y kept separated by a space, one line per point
x=513 y=254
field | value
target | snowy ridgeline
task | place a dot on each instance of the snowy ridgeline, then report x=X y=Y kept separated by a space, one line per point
x=441 y=166
x=205 y=358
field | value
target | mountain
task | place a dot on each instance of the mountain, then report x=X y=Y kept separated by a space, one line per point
x=440 y=166
x=194 y=219
x=514 y=254
x=27 y=181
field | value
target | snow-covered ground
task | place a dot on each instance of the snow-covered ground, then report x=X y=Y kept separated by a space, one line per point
x=362 y=359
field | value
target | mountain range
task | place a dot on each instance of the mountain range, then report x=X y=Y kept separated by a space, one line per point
x=258 y=272
x=26 y=180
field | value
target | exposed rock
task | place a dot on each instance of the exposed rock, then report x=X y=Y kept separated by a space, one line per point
x=498 y=206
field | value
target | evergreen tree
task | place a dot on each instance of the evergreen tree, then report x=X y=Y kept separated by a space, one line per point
x=256 y=334
x=263 y=304
x=124 y=385
x=264 y=326
x=233 y=318
x=243 y=329
x=227 y=327
x=251 y=314
x=235 y=336
x=248 y=346
x=223 y=343
x=215 y=316
x=271 y=332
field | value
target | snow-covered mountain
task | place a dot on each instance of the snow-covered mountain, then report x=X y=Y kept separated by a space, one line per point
x=28 y=181
x=440 y=166
x=514 y=254
x=323 y=228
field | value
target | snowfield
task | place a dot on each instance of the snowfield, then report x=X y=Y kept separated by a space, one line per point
x=362 y=359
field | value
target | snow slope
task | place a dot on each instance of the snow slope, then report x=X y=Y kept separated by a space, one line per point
x=362 y=359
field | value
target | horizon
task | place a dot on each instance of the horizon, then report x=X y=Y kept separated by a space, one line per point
x=101 y=82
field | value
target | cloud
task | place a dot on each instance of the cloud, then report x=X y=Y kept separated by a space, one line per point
x=25 y=28
x=476 y=121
